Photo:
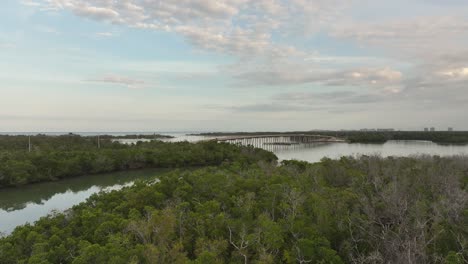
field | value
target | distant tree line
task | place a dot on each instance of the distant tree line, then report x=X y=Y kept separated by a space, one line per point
x=66 y=142
x=58 y=143
x=366 y=210
x=440 y=137
x=55 y=158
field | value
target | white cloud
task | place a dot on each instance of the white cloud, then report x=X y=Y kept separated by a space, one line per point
x=97 y=12
x=409 y=38
x=120 y=80
x=457 y=73
x=47 y=29
x=7 y=45
x=105 y=34
x=153 y=13
x=285 y=73
x=270 y=40
x=31 y=3
x=239 y=27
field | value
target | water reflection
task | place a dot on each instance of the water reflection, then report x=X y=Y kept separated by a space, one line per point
x=29 y=203
x=315 y=152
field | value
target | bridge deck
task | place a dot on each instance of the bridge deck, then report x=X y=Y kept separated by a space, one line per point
x=310 y=138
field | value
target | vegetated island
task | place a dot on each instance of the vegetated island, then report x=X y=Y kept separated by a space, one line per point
x=250 y=210
x=439 y=137
x=50 y=158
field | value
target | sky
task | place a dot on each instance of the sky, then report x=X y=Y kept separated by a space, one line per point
x=232 y=65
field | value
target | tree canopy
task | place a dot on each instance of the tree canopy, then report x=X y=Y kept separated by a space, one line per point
x=54 y=158
x=366 y=210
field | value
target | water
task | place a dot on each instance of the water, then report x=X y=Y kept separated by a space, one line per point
x=177 y=137
x=315 y=152
x=287 y=148
x=28 y=203
x=19 y=206
x=181 y=135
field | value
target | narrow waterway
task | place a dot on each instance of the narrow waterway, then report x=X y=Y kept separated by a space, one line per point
x=27 y=204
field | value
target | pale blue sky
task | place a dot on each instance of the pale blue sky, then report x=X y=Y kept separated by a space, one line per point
x=185 y=65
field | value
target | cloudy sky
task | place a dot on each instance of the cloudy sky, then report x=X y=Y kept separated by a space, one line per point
x=230 y=65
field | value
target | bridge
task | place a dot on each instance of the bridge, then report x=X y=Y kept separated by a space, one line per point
x=278 y=141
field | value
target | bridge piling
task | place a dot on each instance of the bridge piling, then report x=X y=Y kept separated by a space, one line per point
x=277 y=139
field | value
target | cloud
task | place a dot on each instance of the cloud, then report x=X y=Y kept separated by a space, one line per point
x=254 y=31
x=458 y=73
x=238 y=27
x=105 y=34
x=439 y=34
x=417 y=55
x=236 y=41
x=370 y=77
x=149 y=13
x=332 y=98
x=6 y=45
x=268 y=108
x=291 y=74
x=120 y=80
x=47 y=29
x=250 y=27
x=31 y=3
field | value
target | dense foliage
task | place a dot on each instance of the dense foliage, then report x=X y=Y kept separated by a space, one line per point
x=45 y=142
x=67 y=156
x=66 y=142
x=367 y=210
x=442 y=137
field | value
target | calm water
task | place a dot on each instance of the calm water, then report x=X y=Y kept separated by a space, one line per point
x=27 y=204
x=315 y=152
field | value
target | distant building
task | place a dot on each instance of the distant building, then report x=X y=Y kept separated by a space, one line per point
x=450 y=129
x=432 y=129
x=385 y=129
x=426 y=129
